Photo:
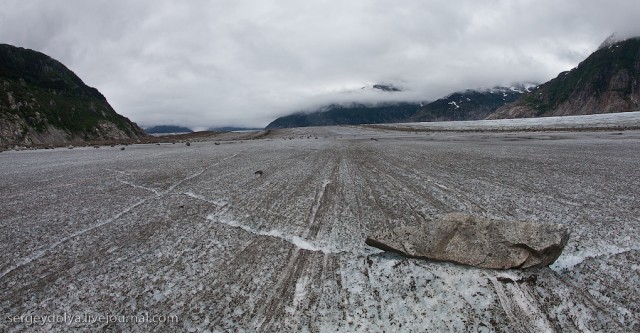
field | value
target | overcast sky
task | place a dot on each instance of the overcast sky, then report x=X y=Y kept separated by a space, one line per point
x=234 y=62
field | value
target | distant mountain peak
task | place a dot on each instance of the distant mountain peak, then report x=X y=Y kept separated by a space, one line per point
x=519 y=88
x=386 y=87
x=612 y=39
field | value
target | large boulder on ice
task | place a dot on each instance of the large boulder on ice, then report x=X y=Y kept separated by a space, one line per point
x=477 y=241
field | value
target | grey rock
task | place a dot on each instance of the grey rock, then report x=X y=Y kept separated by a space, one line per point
x=477 y=241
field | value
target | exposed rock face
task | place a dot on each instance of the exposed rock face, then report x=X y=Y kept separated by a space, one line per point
x=43 y=102
x=477 y=241
x=606 y=82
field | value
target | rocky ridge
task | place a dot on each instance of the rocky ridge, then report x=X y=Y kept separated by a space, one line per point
x=43 y=102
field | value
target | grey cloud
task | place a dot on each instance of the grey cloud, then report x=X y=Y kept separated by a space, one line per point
x=215 y=63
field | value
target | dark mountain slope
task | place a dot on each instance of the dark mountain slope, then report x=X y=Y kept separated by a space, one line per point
x=167 y=129
x=43 y=102
x=352 y=114
x=466 y=105
x=469 y=104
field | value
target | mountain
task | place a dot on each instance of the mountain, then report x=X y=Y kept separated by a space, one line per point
x=351 y=114
x=470 y=104
x=43 y=102
x=612 y=39
x=464 y=105
x=386 y=87
x=605 y=82
x=161 y=129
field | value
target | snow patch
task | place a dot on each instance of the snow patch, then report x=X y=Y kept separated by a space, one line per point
x=568 y=261
x=297 y=241
x=441 y=186
x=301 y=290
x=219 y=203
